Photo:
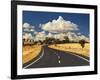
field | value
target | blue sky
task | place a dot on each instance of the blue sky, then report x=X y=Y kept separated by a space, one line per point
x=35 y=18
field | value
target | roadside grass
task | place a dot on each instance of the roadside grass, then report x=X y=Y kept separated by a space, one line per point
x=30 y=52
x=73 y=47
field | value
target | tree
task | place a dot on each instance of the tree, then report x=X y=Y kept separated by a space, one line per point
x=66 y=39
x=82 y=43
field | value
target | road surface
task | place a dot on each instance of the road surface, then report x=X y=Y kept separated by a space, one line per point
x=54 y=58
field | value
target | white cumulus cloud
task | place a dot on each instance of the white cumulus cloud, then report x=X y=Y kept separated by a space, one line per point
x=79 y=33
x=26 y=25
x=60 y=36
x=74 y=37
x=40 y=36
x=27 y=36
x=50 y=35
x=28 y=28
x=60 y=25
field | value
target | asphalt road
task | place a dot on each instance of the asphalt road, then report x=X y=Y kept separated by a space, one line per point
x=54 y=58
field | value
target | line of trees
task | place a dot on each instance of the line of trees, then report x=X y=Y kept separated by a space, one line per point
x=54 y=41
x=48 y=41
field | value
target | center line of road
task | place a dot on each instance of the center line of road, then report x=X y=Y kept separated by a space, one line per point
x=59 y=61
x=58 y=57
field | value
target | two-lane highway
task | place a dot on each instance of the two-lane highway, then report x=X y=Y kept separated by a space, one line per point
x=54 y=58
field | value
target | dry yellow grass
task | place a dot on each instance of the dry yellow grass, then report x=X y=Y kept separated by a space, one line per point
x=30 y=52
x=73 y=47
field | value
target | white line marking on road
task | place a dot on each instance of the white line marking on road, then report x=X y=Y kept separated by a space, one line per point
x=81 y=57
x=58 y=57
x=35 y=60
x=59 y=61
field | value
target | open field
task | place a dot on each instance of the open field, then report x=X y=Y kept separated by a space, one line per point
x=73 y=47
x=30 y=52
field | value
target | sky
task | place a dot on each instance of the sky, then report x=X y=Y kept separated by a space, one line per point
x=35 y=18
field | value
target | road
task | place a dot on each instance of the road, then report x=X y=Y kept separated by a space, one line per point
x=54 y=58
